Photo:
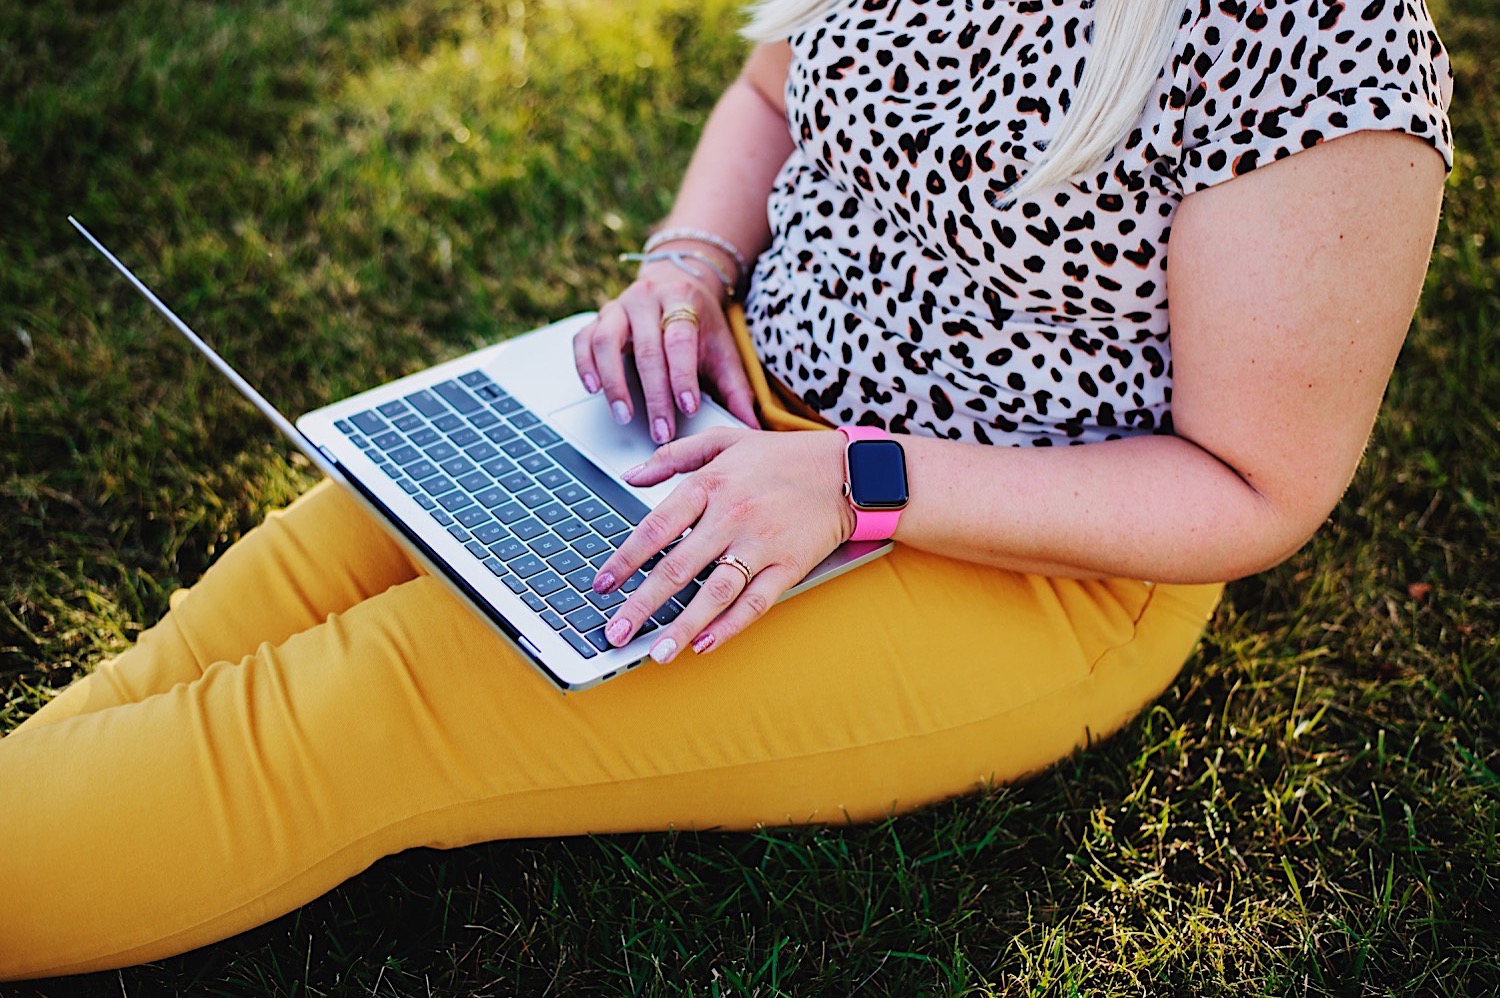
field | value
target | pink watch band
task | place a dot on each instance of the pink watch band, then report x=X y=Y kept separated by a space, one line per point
x=870 y=524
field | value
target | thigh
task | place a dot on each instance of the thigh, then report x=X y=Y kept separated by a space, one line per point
x=321 y=555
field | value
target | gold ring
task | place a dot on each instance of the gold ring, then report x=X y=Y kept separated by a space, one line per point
x=733 y=562
x=684 y=313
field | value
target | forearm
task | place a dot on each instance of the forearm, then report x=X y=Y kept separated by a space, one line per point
x=1153 y=507
x=742 y=148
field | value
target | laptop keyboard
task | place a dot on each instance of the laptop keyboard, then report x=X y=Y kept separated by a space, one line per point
x=528 y=506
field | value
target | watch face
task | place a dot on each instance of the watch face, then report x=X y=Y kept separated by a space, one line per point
x=877 y=474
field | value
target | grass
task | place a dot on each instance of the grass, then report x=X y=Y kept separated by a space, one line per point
x=343 y=190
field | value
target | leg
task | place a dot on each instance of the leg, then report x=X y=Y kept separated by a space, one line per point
x=157 y=826
x=321 y=555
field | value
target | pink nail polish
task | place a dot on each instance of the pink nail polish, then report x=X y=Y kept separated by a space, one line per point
x=664 y=650
x=703 y=643
x=604 y=582
x=628 y=475
x=659 y=431
x=688 y=402
x=590 y=383
x=621 y=412
x=616 y=630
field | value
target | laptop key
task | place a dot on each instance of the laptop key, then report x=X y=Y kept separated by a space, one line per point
x=552 y=513
x=527 y=565
x=390 y=469
x=565 y=562
x=476 y=549
x=528 y=528
x=407 y=423
x=553 y=478
x=580 y=645
x=392 y=409
x=580 y=579
x=448 y=423
x=667 y=613
x=590 y=544
x=343 y=426
x=518 y=447
x=426 y=403
x=633 y=583
x=609 y=525
x=483 y=418
x=515 y=481
x=472 y=516
x=496 y=567
x=604 y=601
x=455 y=500
x=521 y=420
x=499 y=467
x=369 y=422
x=544 y=436
x=491 y=497
x=599 y=559
x=509 y=513
x=408 y=486
x=456 y=466
x=570 y=529
x=361 y=442
x=437 y=485
x=424 y=436
x=489 y=533
x=455 y=395
x=509 y=549
x=481 y=452
x=532 y=497
x=421 y=470
x=490 y=390
x=442 y=451
x=573 y=493
x=500 y=434
x=590 y=509
x=388 y=441
x=442 y=517
x=597 y=639
x=535 y=463
x=586 y=618
x=424 y=501
x=514 y=584
x=534 y=601
x=548 y=545
x=459 y=533
x=547 y=583
x=464 y=437
x=566 y=601
x=506 y=405
x=474 y=481
x=474 y=378
x=405 y=454
x=553 y=620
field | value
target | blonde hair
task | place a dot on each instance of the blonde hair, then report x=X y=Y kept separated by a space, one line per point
x=1131 y=40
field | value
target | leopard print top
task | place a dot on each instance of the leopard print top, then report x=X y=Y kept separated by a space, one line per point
x=901 y=290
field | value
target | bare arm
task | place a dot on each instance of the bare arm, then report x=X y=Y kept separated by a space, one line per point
x=724 y=192
x=1291 y=291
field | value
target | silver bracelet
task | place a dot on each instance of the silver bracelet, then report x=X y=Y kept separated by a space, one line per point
x=679 y=258
x=698 y=236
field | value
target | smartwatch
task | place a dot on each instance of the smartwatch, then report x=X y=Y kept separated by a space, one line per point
x=874 y=481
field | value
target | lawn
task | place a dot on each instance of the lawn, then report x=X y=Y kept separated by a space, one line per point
x=341 y=191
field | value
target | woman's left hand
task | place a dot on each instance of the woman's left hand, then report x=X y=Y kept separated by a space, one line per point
x=774 y=501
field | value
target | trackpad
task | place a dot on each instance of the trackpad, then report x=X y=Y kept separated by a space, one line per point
x=619 y=448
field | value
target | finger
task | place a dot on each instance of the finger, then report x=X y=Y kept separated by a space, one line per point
x=683 y=350
x=674 y=574
x=660 y=527
x=726 y=370
x=583 y=356
x=681 y=456
x=651 y=365
x=718 y=595
x=608 y=347
x=758 y=597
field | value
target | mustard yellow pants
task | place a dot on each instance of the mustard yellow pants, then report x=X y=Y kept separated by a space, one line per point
x=315 y=703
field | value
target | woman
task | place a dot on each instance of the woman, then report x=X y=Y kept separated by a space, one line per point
x=960 y=218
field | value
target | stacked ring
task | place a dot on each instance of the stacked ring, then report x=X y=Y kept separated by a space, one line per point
x=679 y=313
x=735 y=563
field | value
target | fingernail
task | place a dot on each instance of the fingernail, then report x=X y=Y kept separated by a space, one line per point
x=616 y=630
x=688 y=403
x=659 y=431
x=628 y=475
x=621 y=411
x=703 y=644
x=590 y=383
x=663 y=650
x=604 y=582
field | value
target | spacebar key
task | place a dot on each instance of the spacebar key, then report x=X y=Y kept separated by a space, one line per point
x=599 y=483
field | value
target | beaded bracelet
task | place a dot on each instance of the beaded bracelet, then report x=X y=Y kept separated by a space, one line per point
x=679 y=258
x=698 y=236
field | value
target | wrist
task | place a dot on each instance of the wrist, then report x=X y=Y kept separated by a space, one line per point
x=665 y=272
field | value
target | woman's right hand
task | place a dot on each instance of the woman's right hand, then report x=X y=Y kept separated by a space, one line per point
x=668 y=361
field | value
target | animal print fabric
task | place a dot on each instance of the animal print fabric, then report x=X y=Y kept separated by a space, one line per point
x=901 y=290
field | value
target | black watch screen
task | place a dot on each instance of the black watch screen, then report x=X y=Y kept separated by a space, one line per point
x=877 y=474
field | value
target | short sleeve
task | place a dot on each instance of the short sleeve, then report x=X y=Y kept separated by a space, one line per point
x=1289 y=75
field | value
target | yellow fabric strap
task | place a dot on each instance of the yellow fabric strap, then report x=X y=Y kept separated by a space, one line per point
x=773 y=415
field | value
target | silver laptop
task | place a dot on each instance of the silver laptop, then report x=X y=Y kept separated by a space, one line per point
x=501 y=474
